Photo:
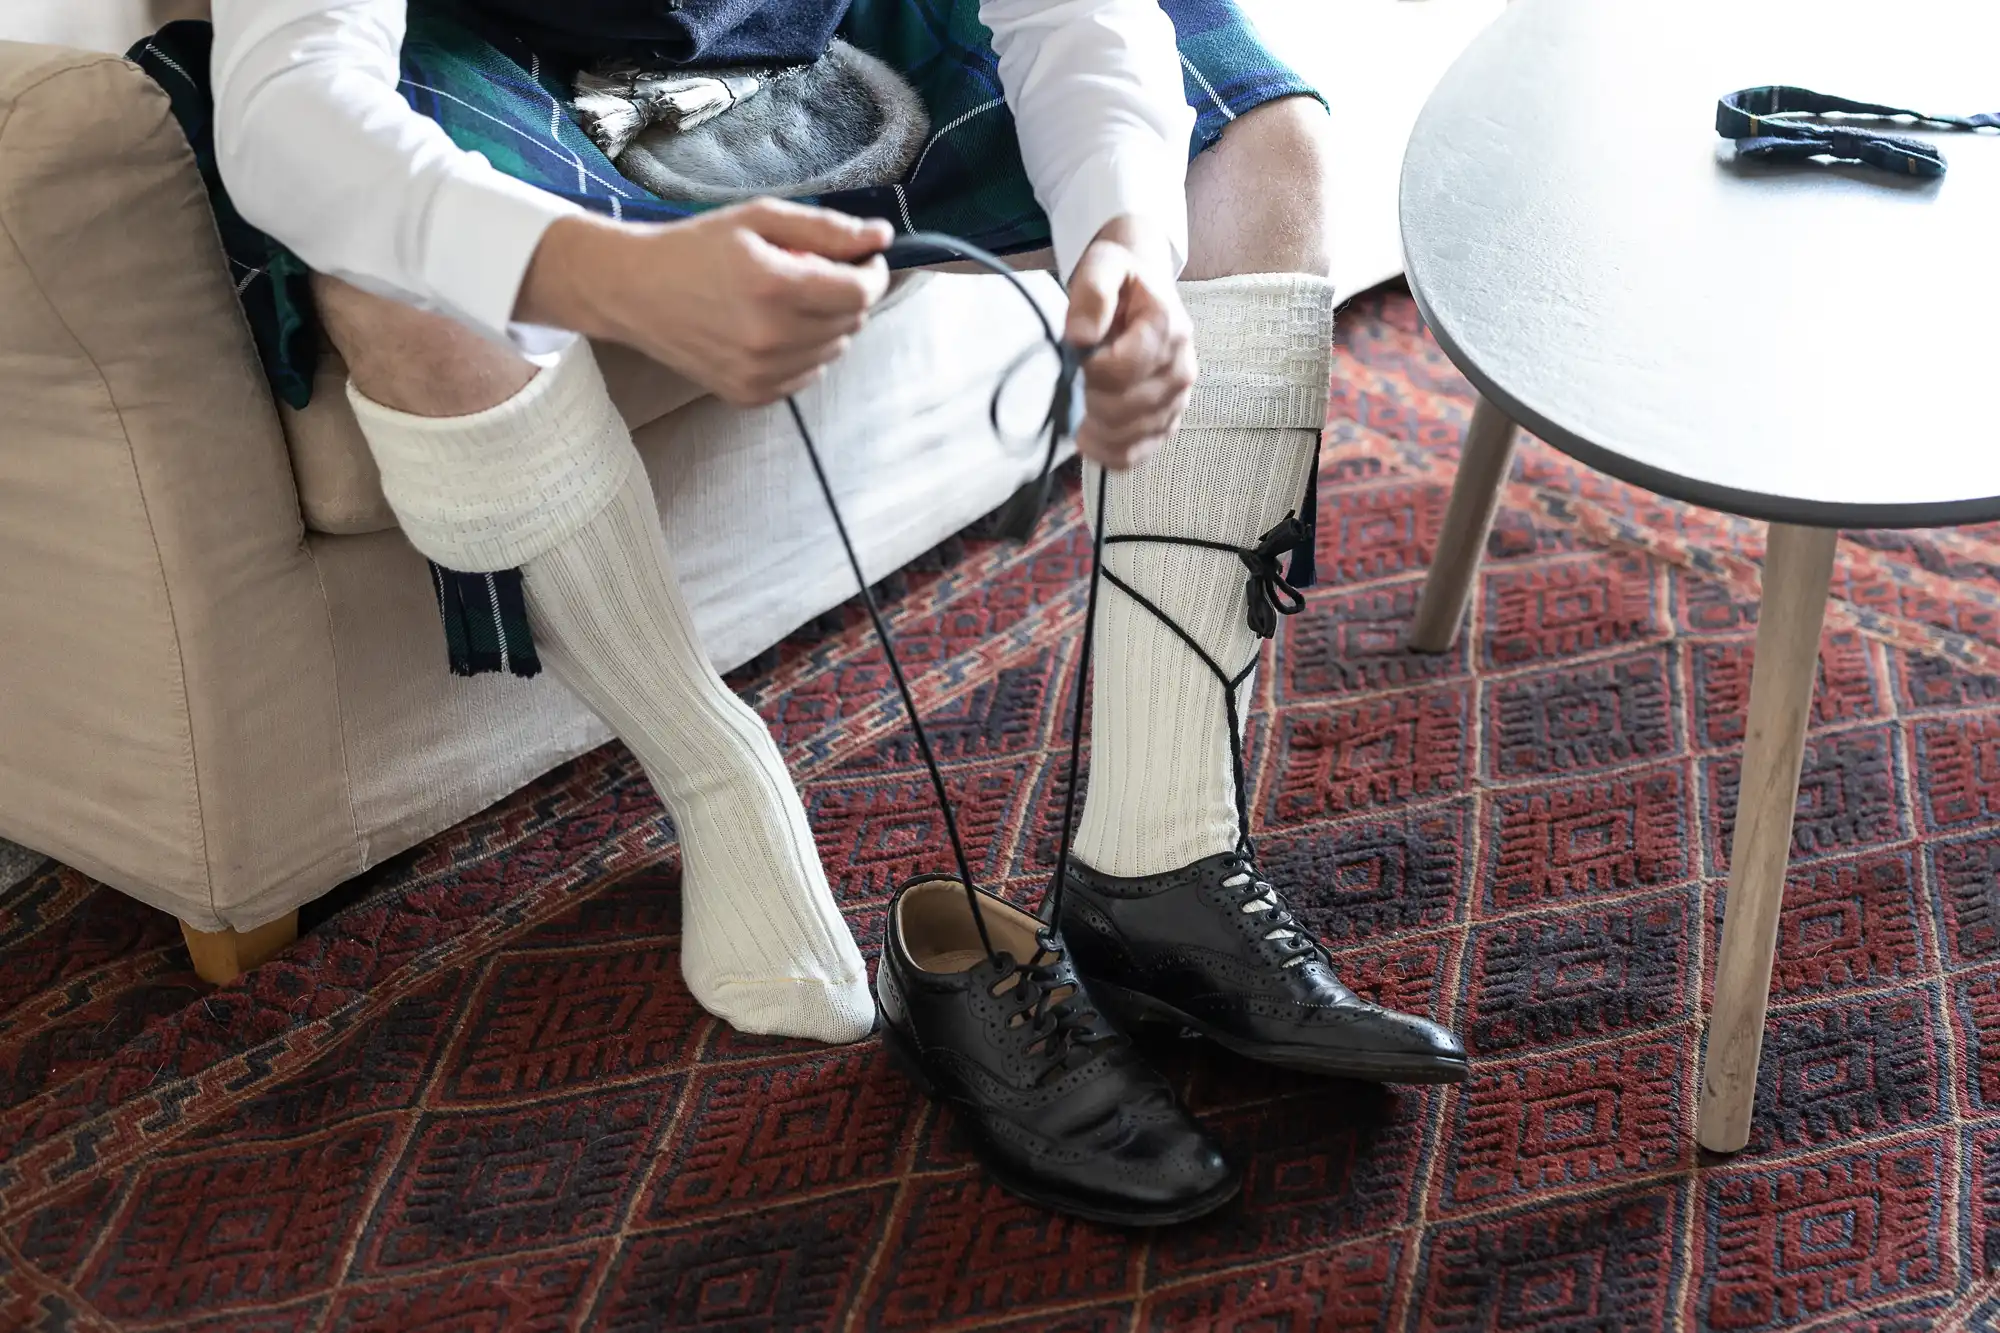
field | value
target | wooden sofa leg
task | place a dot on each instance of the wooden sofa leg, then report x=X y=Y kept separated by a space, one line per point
x=224 y=955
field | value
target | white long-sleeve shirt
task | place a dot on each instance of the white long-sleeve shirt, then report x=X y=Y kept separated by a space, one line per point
x=319 y=149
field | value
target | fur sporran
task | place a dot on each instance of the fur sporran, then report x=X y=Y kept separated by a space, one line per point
x=717 y=136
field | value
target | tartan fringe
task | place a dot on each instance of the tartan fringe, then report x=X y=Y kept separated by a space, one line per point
x=485 y=623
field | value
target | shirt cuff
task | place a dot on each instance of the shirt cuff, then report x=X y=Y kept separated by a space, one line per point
x=484 y=229
x=1145 y=181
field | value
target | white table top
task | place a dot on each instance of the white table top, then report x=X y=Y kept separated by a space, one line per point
x=1813 y=344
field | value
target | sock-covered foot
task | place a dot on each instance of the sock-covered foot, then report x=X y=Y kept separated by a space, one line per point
x=764 y=946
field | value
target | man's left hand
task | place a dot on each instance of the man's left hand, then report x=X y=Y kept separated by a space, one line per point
x=1122 y=301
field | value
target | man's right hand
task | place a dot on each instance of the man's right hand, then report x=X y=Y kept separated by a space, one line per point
x=751 y=302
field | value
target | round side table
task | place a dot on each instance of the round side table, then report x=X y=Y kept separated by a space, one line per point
x=1592 y=257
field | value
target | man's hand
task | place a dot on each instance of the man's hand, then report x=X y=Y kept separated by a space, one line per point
x=751 y=302
x=1122 y=300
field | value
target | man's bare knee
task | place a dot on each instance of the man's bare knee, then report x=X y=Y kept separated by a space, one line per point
x=1258 y=200
x=412 y=361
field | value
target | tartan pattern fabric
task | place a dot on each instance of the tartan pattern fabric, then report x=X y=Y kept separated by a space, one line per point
x=271 y=281
x=1766 y=124
x=711 y=33
x=498 y=97
x=509 y=102
x=485 y=623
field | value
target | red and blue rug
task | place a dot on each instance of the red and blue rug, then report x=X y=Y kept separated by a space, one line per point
x=476 y=1095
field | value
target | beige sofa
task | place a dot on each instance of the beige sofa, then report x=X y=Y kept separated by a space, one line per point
x=222 y=677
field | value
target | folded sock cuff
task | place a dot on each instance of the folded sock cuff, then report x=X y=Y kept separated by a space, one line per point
x=1265 y=342
x=496 y=489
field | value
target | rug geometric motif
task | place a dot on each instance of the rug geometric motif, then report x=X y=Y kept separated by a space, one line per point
x=477 y=1095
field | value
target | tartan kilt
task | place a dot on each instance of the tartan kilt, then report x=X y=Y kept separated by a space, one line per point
x=495 y=96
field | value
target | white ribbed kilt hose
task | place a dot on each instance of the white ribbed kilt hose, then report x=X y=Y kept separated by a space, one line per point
x=549 y=482
x=1161 y=793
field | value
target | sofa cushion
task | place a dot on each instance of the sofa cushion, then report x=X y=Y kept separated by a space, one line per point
x=340 y=492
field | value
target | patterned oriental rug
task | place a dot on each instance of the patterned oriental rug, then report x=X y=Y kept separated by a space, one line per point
x=476 y=1095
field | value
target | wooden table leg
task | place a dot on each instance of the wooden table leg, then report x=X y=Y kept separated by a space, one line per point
x=1797 y=567
x=224 y=955
x=1475 y=496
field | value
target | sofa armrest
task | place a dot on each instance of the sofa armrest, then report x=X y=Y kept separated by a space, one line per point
x=170 y=721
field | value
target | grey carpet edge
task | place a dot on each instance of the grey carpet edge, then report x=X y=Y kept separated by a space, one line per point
x=16 y=864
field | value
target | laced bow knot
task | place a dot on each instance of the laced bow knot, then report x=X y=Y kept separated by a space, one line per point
x=1268 y=591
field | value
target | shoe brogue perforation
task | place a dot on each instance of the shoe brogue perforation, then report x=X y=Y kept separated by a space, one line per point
x=1187 y=959
x=977 y=1080
x=1181 y=948
x=1144 y=886
x=1096 y=923
x=1052 y=1097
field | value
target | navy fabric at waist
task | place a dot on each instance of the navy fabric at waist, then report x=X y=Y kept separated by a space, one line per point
x=670 y=32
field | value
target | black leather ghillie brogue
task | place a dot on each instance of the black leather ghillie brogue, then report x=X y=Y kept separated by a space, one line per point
x=1214 y=947
x=1058 y=1105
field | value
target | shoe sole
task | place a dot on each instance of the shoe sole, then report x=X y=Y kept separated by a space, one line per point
x=1134 y=1009
x=906 y=1061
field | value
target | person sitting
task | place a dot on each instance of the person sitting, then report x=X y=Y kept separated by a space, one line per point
x=1177 y=171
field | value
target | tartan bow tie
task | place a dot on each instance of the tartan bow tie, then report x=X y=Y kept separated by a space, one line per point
x=1762 y=122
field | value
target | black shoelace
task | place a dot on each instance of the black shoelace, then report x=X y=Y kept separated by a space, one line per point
x=1062 y=1025
x=1270 y=593
x=1282 y=928
x=1066 y=1028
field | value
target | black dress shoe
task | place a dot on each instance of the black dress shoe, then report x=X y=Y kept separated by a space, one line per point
x=1213 y=947
x=1060 y=1108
